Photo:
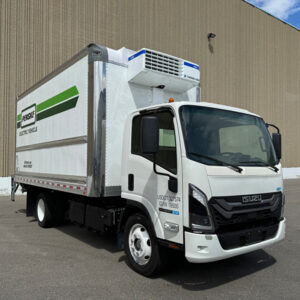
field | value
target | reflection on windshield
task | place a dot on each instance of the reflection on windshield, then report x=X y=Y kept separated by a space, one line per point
x=226 y=136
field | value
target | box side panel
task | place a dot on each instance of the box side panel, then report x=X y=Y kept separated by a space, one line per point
x=69 y=161
x=56 y=110
x=51 y=135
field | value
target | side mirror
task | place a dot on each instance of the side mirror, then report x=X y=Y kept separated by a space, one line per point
x=149 y=134
x=276 y=137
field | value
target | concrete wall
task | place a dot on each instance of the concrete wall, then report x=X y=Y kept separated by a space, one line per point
x=253 y=63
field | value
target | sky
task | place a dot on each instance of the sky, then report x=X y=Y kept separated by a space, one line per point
x=286 y=10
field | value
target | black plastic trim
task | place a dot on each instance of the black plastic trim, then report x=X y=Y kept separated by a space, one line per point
x=130 y=182
x=97 y=53
x=156 y=110
x=166 y=243
x=232 y=240
x=236 y=215
x=203 y=231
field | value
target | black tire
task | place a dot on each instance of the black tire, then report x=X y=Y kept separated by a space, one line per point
x=155 y=263
x=44 y=211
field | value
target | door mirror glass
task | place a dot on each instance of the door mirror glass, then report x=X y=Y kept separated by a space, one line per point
x=149 y=134
x=276 y=137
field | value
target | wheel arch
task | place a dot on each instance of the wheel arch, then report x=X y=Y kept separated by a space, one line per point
x=133 y=207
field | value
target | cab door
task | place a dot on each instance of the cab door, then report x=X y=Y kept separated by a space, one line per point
x=150 y=188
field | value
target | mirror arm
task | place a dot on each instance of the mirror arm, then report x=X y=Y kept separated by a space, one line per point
x=154 y=168
x=172 y=183
x=274 y=126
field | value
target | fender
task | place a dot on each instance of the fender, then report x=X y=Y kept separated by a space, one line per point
x=145 y=206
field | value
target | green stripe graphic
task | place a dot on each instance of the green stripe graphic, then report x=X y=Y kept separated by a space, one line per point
x=71 y=92
x=57 y=109
x=49 y=107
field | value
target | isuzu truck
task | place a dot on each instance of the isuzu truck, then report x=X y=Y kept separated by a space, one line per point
x=118 y=141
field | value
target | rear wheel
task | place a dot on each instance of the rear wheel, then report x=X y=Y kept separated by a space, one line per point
x=44 y=213
x=141 y=248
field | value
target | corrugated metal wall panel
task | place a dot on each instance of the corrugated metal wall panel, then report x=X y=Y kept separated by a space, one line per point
x=254 y=62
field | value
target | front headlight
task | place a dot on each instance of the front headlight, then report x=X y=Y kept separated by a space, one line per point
x=200 y=219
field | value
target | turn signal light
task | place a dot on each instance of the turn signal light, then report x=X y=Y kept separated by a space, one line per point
x=171 y=100
x=173 y=246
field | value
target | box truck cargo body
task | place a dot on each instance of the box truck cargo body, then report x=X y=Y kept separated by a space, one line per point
x=119 y=140
x=70 y=128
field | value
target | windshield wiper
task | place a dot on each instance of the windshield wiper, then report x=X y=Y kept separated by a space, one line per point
x=275 y=169
x=224 y=163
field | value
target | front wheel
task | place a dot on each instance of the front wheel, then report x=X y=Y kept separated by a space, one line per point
x=141 y=248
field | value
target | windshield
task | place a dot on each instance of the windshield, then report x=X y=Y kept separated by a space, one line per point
x=217 y=137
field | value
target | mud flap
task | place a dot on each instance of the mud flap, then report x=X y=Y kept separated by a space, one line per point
x=14 y=187
x=31 y=202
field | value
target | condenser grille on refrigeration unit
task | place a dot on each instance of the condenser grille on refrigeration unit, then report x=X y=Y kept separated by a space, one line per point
x=163 y=63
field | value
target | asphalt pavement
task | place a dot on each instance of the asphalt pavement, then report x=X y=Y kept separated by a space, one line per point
x=69 y=262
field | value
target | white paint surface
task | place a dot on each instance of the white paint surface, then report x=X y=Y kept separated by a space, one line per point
x=5 y=182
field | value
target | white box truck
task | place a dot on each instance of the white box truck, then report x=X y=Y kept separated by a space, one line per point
x=118 y=141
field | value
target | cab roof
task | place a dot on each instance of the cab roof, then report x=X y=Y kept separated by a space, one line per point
x=178 y=104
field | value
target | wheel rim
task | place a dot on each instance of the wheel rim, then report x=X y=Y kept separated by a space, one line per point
x=41 y=210
x=140 y=244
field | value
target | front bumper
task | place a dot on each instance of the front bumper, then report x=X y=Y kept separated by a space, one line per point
x=202 y=248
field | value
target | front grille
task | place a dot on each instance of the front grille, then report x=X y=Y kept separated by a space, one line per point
x=163 y=63
x=244 y=220
x=234 y=220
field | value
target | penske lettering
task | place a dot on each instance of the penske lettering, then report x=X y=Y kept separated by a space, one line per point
x=28 y=116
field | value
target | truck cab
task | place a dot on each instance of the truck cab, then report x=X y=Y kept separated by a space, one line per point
x=208 y=175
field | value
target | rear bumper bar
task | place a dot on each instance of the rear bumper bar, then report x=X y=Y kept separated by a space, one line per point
x=202 y=248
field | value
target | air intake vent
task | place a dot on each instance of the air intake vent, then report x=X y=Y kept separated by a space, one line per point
x=163 y=63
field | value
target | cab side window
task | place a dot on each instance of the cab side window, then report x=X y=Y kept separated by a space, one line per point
x=166 y=155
